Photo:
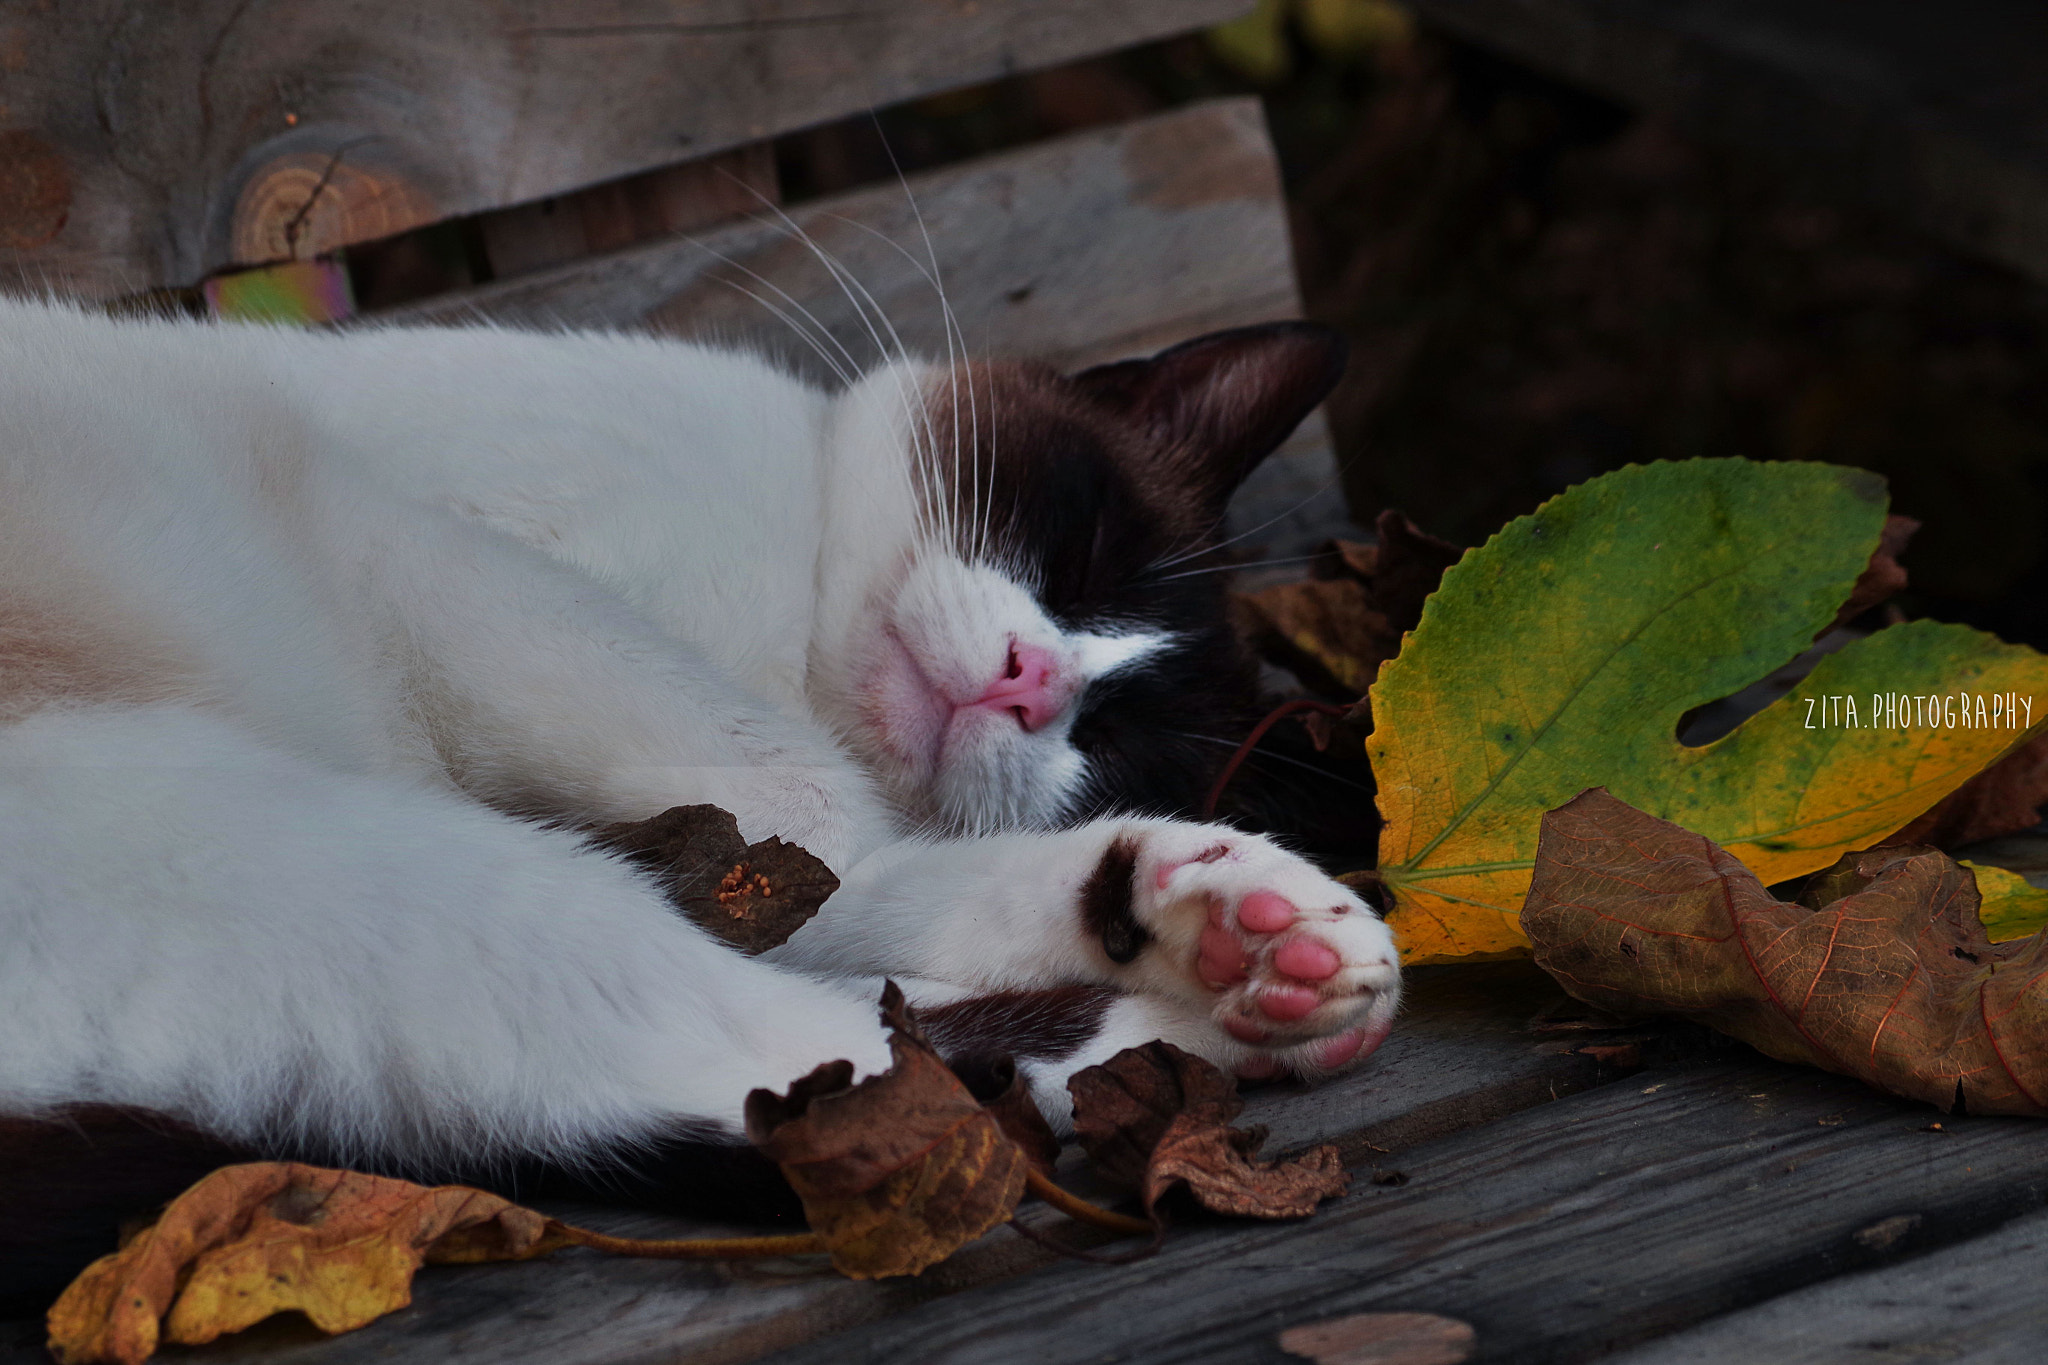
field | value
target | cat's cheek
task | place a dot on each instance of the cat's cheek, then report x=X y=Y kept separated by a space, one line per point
x=904 y=713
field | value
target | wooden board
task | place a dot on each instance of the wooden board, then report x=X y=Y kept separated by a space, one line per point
x=1464 y=1054
x=1560 y=1233
x=1984 y=1302
x=1940 y=118
x=1092 y=247
x=148 y=144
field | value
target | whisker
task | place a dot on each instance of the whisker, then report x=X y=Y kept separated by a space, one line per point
x=1258 y=755
x=938 y=281
x=1228 y=568
x=914 y=406
x=1197 y=551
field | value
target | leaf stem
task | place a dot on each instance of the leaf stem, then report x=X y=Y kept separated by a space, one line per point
x=1081 y=1210
x=693 y=1248
x=1244 y=750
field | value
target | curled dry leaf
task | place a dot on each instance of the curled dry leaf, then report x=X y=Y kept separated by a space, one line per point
x=252 y=1240
x=1154 y=1116
x=1382 y=1339
x=1883 y=973
x=754 y=896
x=1883 y=577
x=1020 y=1118
x=897 y=1172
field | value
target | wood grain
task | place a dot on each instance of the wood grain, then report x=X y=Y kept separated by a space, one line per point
x=1560 y=1233
x=1092 y=247
x=186 y=138
x=1982 y=1302
x=1941 y=123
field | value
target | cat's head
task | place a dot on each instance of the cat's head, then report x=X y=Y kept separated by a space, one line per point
x=1014 y=626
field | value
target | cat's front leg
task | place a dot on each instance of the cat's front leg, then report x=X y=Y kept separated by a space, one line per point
x=1289 y=969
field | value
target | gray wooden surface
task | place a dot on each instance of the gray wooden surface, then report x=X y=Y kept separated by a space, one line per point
x=1092 y=247
x=1937 y=114
x=1984 y=1302
x=1560 y=1233
x=149 y=144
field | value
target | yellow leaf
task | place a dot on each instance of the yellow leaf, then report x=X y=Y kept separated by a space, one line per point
x=2012 y=906
x=1255 y=45
x=272 y=1237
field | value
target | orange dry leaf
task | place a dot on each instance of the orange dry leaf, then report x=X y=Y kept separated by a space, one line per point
x=899 y=1171
x=1155 y=1117
x=272 y=1237
x=1883 y=972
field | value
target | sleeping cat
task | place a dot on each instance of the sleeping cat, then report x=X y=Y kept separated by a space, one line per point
x=320 y=652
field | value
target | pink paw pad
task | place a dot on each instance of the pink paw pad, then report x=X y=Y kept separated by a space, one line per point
x=1221 y=959
x=1307 y=959
x=1264 y=912
x=1288 y=1003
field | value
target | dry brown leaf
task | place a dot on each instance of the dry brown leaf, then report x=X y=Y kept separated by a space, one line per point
x=754 y=896
x=2003 y=799
x=1884 y=973
x=1336 y=629
x=1020 y=1118
x=1883 y=578
x=1154 y=1117
x=252 y=1240
x=898 y=1171
x=1382 y=1339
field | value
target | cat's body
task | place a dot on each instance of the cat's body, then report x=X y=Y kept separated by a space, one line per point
x=316 y=651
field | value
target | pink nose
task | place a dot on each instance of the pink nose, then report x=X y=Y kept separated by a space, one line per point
x=1030 y=687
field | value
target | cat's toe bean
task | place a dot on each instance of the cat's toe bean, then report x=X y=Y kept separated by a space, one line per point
x=1265 y=912
x=1288 y=1003
x=1308 y=959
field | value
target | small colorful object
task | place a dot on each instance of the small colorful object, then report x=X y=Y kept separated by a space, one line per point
x=301 y=292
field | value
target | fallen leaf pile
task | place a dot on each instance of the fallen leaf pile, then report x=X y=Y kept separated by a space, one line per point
x=754 y=896
x=1881 y=971
x=1563 y=653
x=896 y=1172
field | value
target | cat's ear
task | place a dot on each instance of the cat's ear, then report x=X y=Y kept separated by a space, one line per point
x=1223 y=402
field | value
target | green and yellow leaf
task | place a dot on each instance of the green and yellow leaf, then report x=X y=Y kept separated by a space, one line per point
x=1561 y=655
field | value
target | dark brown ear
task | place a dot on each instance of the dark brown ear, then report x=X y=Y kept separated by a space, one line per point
x=1223 y=402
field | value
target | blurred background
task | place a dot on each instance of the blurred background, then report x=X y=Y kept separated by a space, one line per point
x=1542 y=283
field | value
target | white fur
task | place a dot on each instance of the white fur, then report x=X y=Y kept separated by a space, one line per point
x=295 y=626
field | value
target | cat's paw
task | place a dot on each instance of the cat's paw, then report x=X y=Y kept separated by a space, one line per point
x=1287 y=962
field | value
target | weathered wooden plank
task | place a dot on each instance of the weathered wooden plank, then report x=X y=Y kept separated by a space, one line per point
x=1984 y=1302
x=619 y=213
x=1941 y=122
x=1091 y=247
x=152 y=144
x=1560 y=1233
x=1463 y=1054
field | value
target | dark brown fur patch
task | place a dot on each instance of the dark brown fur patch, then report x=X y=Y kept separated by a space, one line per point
x=1045 y=1024
x=1106 y=903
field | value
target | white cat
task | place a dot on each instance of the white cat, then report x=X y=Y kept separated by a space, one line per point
x=317 y=650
